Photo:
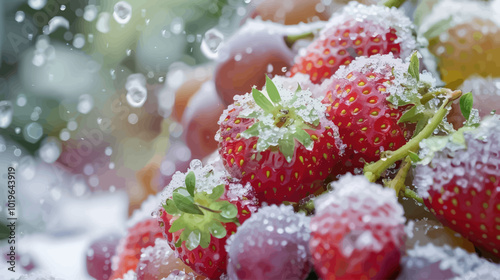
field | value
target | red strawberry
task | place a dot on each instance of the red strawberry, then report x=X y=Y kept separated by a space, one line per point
x=459 y=179
x=202 y=210
x=358 y=30
x=142 y=235
x=357 y=231
x=285 y=147
x=367 y=100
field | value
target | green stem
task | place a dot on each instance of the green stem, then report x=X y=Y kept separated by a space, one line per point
x=431 y=95
x=411 y=194
x=398 y=183
x=291 y=39
x=208 y=209
x=394 y=3
x=374 y=170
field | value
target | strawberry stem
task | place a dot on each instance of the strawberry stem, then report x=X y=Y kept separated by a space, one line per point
x=394 y=3
x=398 y=183
x=291 y=39
x=373 y=171
x=411 y=194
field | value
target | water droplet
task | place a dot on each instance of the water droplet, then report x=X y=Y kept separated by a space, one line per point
x=21 y=100
x=72 y=125
x=85 y=104
x=108 y=151
x=17 y=130
x=33 y=132
x=211 y=43
x=133 y=118
x=136 y=91
x=122 y=12
x=63 y=8
x=37 y=4
x=17 y=152
x=19 y=16
x=55 y=23
x=195 y=164
x=6 y=112
x=102 y=24
x=27 y=167
x=64 y=135
x=177 y=25
x=79 y=41
x=90 y=13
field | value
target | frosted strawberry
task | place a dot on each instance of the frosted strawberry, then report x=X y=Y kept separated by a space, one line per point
x=201 y=209
x=434 y=262
x=368 y=101
x=357 y=30
x=141 y=235
x=459 y=179
x=357 y=231
x=272 y=244
x=280 y=141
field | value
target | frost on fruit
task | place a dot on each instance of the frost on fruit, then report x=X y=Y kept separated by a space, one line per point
x=271 y=244
x=362 y=199
x=302 y=110
x=379 y=20
x=430 y=261
x=130 y=275
x=402 y=88
x=38 y=276
x=467 y=150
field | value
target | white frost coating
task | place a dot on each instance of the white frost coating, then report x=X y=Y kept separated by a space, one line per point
x=371 y=212
x=460 y=11
x=273 y=230
x=207 y=178
x=308 y=108
x=456 y=260
x=130 y=275
x=38 y=276
x=448 y=156
x=379 y=20
x=291 y=83
x=148 y=206
x=482 y=86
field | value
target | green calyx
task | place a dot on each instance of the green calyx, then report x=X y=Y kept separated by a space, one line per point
x=282 y=119
x=200 y=214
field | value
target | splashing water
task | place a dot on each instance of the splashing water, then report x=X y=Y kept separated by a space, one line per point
x=136 y=90
x=122 y=12
x=211 y=43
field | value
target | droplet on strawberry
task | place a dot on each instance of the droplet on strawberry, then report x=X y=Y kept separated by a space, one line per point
x=159 y=262
x=356 y=31
x=459 y=178
x=357 y=231
x=433 y=262
x=280 y=141
x=272 y=244
x=374 y=102
x=200 y=210
x=99 y=256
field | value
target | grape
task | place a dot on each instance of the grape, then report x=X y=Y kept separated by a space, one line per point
x=99 y=256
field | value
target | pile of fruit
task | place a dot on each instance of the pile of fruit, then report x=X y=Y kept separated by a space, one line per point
x=349 y=149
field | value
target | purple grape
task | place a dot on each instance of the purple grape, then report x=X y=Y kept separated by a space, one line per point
x=99 y=256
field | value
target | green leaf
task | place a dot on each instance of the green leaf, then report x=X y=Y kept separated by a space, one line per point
x=178 y=243
x=414 y=157
x=229 y=211
x=178 y=224
x=410 y=116
x=299 y=88
x=414 y=68
x=287 y=147
x=303 y=137
x=466 y=102
x=193 y=239
x=205 y=239
x=252 y=131
x=170 y=207
x=190 y=183
x=217 y=192
x=272 y=91
x=423 y=9
x=438 y=28
x=262 y=101
x=217 y=229
x=186 y=205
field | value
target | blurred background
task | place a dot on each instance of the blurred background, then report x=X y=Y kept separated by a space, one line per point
x=101 y=101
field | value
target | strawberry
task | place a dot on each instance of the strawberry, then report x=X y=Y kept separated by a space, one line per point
x=357 y=231
x=202 y=209
x=459 y=179
x=366 y=101
x=142 y=235
x=285 y=147
x=358 y=30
